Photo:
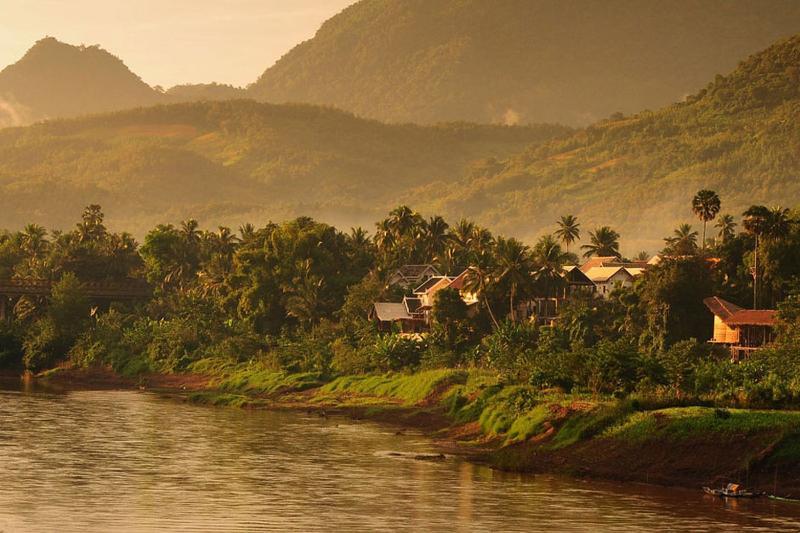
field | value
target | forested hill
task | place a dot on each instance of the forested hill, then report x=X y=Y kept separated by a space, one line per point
x=236 y=161
x=739 y=136
x=55 y=79
x=570 y=62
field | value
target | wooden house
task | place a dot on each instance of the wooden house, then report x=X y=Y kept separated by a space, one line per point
x=742 y=330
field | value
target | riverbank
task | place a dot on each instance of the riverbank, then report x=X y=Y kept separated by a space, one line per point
x=513 y=427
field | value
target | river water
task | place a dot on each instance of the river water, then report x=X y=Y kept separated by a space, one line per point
x=131 y=461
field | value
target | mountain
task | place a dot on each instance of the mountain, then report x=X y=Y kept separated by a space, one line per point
x=236 y=161
x=204 y=92
x=521 y=61
x=739 y=136
x=55 y=79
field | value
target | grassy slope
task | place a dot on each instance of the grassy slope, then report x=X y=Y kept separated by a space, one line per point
x=532 y=431
x=738 y=136
x=233 y=162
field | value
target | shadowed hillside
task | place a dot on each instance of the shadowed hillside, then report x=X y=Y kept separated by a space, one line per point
x=233 y=162
x=570 y=62
x=740 y=136
x=55 y=79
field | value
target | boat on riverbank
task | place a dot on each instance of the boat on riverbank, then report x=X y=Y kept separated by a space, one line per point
x=732 y=490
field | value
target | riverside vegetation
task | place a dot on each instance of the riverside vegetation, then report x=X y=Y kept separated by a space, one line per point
x=621 y=387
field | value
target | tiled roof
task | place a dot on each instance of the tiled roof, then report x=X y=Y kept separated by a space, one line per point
x=733 y=315
x=458 y=281
x=598 y=261
x=427 y=284
x=753 y=317
x=603 y=274
x=415 y=271
x=391 y=312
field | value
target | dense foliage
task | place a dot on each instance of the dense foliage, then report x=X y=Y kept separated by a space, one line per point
x=294 y=298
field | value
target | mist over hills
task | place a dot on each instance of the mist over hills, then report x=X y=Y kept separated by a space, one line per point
x=233 y=162
x=572 y=61
x=739 y=136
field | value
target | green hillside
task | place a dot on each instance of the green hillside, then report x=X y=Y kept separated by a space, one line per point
x=55 y=79
x=739 y=136
x=233 y=162
x=533 y=61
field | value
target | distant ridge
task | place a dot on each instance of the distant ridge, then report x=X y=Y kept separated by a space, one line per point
x=528 y=61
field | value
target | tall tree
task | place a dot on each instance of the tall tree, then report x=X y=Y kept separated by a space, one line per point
x=514 y=267
x=603 y=241
x=756 y=221
x=683 y=241
x=726 y=226
x=569 y=230
x=705 y=205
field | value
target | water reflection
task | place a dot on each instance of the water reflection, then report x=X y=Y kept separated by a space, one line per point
x=96 y=461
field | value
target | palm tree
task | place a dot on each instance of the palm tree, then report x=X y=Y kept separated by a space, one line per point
x=568 y=230
x=705 y=205
x=434 y=238
x=91 y=227
x=726 y=226
x=756 y=221
x=683 y=241
x=305 y=301
x=779 y=223
x=247 y=232
x=402 y=221
x=190 y=231
x=603 y=241
x=477 y=281
x=460 y=243
x=642 y=256
x=358 y=237
x=34 y=241
x=514 y=266
x=550 y=259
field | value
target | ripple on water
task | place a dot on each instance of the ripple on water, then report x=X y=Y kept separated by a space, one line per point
x=127 y=461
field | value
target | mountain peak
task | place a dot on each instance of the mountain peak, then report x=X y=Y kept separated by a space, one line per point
x=56 y=79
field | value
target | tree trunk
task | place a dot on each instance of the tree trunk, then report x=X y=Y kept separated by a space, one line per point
x=513 y=311
x=755 y=276
x=704 y=234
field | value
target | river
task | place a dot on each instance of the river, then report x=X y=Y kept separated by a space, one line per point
x=132 y=461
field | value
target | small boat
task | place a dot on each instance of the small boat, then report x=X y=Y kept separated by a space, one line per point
x=732 y=490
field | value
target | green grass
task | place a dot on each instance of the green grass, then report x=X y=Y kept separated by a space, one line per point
x=255 y=378
x=529 y=424
x=409 y=388
x=685 y=422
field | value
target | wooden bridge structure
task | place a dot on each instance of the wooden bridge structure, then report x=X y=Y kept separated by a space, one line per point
x=100 y=292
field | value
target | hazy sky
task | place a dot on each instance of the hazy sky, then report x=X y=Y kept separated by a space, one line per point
x=167 y=42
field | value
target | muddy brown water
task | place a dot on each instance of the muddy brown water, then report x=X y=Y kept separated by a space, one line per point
x=132 y=461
